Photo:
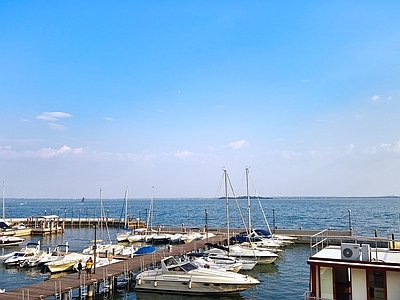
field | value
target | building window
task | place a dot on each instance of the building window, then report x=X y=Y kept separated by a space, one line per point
x=376 y=285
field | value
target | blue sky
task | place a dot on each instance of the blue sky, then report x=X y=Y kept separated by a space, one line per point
x=103 y=94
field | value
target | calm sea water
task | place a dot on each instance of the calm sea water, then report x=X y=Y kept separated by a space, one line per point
x=286 y=278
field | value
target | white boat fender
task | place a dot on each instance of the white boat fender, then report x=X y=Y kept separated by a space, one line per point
x=190 y=283
x=139 y=282
x=155 y=283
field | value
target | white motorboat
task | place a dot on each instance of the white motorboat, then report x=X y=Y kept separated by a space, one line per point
x=137 y=235
x=193 y=235
x=261 y=256
x=224 y=263
x=161 y=238
x=175 y=238
x=207 y=262
x=17 y=257
x=188 y=278
x=10 y=240
x=104 y=248
x=66 y=262
x=49 y=256
x=219 y=254
x=123 y=237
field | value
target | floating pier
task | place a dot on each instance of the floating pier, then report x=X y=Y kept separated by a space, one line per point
x=105 y=276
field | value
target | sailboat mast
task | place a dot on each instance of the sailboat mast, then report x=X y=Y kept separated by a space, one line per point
x=126 y=208
x=248 y=198
x=150 y=215
x=227 y=203
x=4 y=215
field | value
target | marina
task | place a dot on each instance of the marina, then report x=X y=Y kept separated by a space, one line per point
x=289 y=270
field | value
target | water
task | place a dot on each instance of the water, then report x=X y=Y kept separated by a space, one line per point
x=286 y=278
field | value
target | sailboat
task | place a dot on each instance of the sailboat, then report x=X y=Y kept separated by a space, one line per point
x=123 y=237
x=98 y=244
x=145 y=234
x=252 y=238
x=266 y=238
x=239 y=251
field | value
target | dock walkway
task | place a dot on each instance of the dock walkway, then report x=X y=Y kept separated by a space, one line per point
x=64 y=285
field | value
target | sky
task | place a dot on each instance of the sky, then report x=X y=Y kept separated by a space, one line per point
x=101 y=95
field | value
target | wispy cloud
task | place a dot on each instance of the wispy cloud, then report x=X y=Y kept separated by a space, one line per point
x=44 y=153
x=56 y=126
x=239 y=144
x=184 y=153
x=385 y=147
x=375 y=98
x=64 y=150
x=109 y=119
x=53 y=116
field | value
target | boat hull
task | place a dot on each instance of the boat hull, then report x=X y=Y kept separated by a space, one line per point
x=56 y=267
x=10 y=241
x=184 y=286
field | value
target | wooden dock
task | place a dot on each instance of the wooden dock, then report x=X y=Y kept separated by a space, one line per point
x=65 y=284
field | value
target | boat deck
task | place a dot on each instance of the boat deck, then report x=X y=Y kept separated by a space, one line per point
x=65 y=284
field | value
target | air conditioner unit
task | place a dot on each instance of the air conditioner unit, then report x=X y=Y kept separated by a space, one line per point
x=365 y=252
x=350 y=251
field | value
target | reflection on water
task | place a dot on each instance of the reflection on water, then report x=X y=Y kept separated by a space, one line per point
x=156 y=296
x=266 y=269
x=61 y=274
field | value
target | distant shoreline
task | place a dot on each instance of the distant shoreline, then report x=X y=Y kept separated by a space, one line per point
x=219 y=198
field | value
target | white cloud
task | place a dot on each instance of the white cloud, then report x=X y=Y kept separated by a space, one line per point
x=350 y=148
x=64 y=150
x=7 y=152
x=390 y=98
x=375 y=98
x=238 y=144
x=289 y=154
x=56 y=126
x=53 y=116
x=109 y=119
x=160 y=110
x=184 y=153
x=384 y=147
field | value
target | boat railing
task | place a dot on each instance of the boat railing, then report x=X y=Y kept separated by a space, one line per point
x=318 y=241
x=323 y=239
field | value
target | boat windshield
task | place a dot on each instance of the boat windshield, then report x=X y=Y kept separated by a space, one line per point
x=188 y=267
x=183 y=268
